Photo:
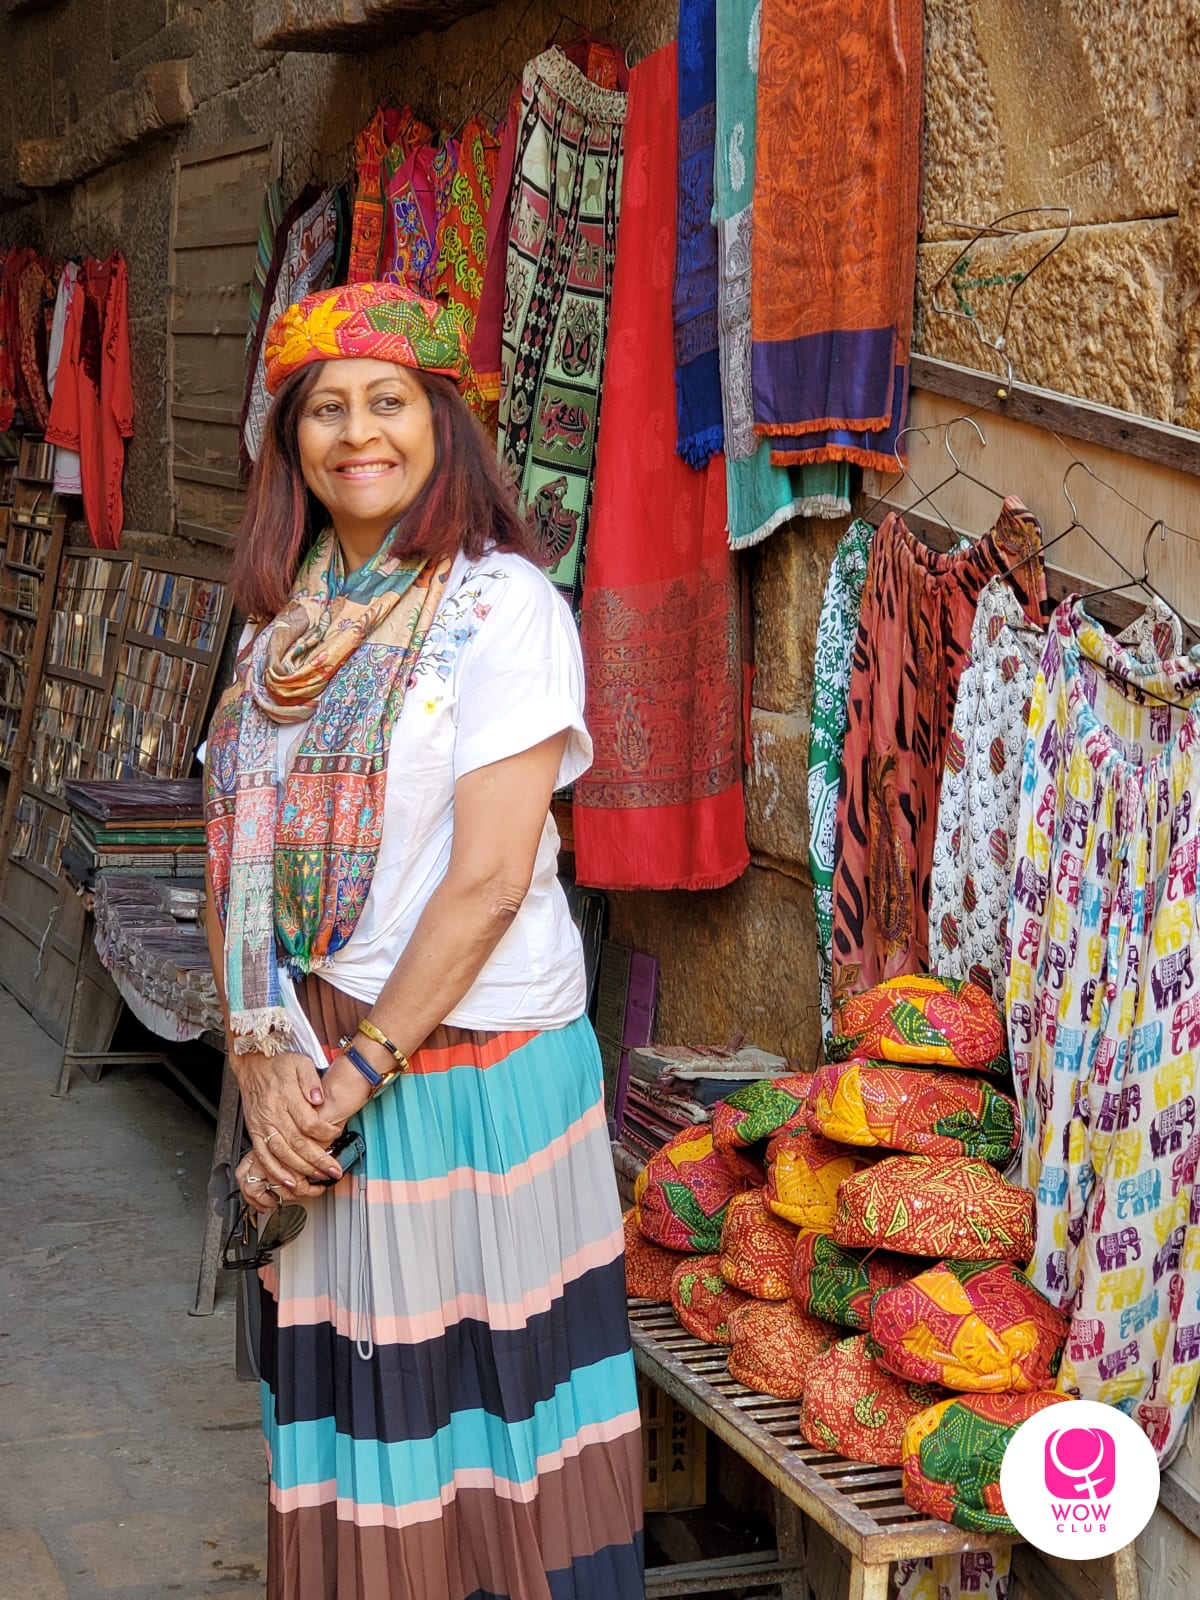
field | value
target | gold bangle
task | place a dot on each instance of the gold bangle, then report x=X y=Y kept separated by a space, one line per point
x=377 y=1036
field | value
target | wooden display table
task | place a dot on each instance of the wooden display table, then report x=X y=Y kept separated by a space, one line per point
x=861 y=1507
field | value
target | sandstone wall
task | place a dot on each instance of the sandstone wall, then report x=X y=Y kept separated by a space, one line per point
x=1086 y=103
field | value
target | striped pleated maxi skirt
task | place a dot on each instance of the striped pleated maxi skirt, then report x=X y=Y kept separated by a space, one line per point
x=448 y=1394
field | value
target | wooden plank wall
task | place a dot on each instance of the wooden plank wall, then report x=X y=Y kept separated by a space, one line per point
x=214 y=232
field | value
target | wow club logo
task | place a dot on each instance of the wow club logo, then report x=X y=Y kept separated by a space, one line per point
x=1081 y=1476
x=1079 y=1479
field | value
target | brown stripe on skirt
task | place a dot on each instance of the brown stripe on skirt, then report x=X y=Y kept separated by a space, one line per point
x=334 y=1013
x=479 y=1542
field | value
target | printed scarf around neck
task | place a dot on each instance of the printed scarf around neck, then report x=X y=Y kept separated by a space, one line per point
x=292 y=860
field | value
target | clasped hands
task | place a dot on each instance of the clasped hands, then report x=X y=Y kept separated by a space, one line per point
x=292 y=1117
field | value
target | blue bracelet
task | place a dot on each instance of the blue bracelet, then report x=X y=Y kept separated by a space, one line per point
x=354 y=1054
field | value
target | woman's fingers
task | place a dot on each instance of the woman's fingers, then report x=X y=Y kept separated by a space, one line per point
x=281 y=1166
x=298 y=1155
x=253 y=1186
x=308 y=1079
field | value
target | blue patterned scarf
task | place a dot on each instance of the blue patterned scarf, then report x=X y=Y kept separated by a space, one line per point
x=694 y=297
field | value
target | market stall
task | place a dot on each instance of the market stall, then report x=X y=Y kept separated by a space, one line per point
x=688 y=285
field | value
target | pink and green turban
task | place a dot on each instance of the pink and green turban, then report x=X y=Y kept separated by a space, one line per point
x=383 y=321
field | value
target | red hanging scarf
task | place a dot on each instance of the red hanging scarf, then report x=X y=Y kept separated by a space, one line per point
x=662 y=807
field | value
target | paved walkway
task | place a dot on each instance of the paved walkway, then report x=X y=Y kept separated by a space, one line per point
x=131 y=1463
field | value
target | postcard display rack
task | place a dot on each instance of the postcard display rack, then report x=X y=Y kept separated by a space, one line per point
x=107 y=663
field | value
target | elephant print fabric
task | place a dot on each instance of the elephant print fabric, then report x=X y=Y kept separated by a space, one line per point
x=1104 y=981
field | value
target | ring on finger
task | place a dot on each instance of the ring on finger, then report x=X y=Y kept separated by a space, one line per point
x=274 y=1134
x=251 y=1179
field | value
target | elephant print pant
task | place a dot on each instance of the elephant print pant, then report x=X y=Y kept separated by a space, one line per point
x=1103 y=1001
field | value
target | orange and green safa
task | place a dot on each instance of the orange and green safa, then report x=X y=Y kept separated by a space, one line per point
x=382 y=321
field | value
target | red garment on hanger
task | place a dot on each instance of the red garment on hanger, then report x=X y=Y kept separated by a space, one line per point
x=92 y=410
x=36 y=289
x=10 y=280
x=662 y=806
x=489 y=322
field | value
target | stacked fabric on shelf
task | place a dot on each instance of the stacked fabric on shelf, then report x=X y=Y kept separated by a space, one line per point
x=916 y=1068
x=872 y=1273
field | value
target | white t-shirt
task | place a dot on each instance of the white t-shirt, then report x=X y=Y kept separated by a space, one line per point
x=500 y=670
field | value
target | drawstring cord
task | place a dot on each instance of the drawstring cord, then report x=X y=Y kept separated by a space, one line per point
x=361 y=1308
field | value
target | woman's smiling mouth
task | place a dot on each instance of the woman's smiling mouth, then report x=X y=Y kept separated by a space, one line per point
x=364 y=469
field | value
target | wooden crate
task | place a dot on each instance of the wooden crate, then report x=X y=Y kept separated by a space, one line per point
x=674 y=1452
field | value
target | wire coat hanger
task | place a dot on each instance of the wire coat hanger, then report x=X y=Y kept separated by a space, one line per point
x=1076 y=524
x=959 y=472
x=912 y=427
x=1159 y=526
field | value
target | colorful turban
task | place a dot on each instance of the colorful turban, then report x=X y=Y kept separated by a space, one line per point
x=683 y=1190
x=839 y=1286
x=760 y=1110
x=382 y=321
x=934 y=1113
x=939 y=1206
x=772 y=1345
x=756 y=1248
x=979 y=1326
x=952 y=1455
x=854 y=1408
x=702 y=1301
x=803 y=1174
x=921 y=1021
x=648 y=1267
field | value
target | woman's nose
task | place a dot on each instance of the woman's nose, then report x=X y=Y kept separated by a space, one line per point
x=359 y=426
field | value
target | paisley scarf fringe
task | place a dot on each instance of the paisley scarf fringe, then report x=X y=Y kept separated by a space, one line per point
x=264 y=1031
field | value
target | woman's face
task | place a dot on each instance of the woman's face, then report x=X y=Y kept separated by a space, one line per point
x=366 y=443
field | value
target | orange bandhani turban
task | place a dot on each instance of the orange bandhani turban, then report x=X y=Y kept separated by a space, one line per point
x=384 y=321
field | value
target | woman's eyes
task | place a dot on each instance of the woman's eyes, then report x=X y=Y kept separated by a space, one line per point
x=387 y=403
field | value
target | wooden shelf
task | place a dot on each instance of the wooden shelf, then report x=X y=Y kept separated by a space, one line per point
x=322 y=25
x=45 y=796
x=88 y=680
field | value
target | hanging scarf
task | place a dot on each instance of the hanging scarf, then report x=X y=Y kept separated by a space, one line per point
x=304 y=262
x=292 y=865
x=463 y=230
x=762 y=496
x=10 y=278
x=694 y=296
x=269 y=218
x=410 y=237
x=559 y=262
x=38 y=286
x=835 y=226
x=662 y=808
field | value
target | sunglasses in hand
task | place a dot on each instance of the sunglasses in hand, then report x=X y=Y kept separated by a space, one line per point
x=251 y=1242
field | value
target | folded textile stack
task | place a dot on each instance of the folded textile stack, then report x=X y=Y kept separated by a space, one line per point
x=150 y=942
x=152 y=826
x=674 y=1087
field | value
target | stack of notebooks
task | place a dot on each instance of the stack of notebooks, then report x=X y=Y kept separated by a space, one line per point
x=153 y=826
x=672 y=1087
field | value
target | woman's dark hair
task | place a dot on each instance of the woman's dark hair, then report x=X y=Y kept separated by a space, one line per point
x=464 y=505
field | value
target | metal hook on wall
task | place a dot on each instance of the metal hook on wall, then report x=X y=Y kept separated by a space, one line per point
x=956 y=275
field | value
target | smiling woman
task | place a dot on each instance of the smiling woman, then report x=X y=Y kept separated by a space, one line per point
x=367 y=447
x=448 y=1399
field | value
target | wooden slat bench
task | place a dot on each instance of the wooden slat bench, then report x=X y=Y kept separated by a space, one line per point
x=861 y=1507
